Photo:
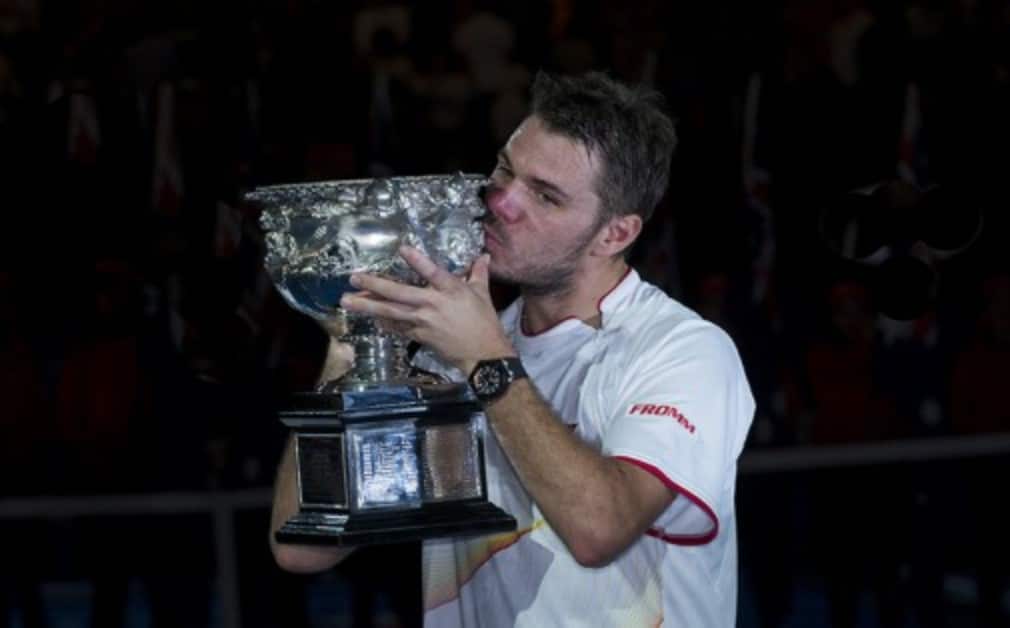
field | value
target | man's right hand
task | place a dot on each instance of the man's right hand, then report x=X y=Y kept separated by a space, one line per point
x=339 y=359
x=294 y=557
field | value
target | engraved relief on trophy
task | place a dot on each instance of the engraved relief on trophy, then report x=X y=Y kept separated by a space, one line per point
x=319 y=234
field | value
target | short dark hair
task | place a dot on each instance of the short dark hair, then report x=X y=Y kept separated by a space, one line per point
x=627 y=127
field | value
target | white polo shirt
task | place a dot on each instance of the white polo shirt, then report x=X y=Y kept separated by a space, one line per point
x=657 y=386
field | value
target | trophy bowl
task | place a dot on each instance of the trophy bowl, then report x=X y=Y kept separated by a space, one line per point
x=318 y=234
x=384 y=453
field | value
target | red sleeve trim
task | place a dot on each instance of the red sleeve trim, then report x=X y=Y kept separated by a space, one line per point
x=678 y=539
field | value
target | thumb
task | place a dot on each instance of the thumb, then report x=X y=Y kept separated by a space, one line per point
x=479 y=271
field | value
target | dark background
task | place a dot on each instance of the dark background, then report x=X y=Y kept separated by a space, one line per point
x=836 y=203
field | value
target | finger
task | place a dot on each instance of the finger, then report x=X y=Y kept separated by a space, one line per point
x=341 y=351
x=339 y=359
x=335 y=327
x=435 y=275
x=339 y=355
x=381 y=309
x=479 y=271
x=388 y=289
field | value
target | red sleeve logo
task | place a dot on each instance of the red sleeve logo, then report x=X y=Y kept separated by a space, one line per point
x=662 y=410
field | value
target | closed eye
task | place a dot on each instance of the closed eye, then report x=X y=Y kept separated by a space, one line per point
x=546 y=198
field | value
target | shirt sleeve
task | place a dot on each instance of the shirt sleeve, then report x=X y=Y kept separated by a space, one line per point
x=682 y=414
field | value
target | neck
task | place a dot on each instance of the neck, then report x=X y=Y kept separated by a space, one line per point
x=581 y=301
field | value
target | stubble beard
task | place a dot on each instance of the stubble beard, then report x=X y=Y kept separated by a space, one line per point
x=540 y=278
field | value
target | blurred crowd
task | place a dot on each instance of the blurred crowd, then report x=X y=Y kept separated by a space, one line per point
x=143 y=346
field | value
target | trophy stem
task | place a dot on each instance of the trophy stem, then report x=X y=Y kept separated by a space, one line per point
x=377 y=359
x=380 y=356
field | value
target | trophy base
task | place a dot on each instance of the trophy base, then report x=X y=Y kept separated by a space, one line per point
x=368 y=401
x=389 y=464
x=421 y=383
x=465 y=519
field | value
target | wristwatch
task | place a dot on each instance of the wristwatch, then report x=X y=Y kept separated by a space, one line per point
x=491 y=378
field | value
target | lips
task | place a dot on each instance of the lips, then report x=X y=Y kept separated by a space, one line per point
x=491 y=238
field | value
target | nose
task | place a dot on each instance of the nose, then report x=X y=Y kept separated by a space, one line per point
x=503 y=201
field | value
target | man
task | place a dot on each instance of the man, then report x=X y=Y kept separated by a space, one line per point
x=617 y=453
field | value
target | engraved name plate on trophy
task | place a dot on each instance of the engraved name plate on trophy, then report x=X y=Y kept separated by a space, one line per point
x=384 y=453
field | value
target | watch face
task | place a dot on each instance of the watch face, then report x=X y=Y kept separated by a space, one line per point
x=488 y=379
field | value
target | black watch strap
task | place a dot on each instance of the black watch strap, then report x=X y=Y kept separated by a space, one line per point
x=491 y=378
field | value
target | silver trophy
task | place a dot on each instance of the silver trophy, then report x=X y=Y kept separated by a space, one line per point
x=384 y=453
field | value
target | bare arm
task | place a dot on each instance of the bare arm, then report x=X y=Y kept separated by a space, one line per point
x=597 y=505
x=293 y=557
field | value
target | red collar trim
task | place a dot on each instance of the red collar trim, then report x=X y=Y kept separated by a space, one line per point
x=599 y=309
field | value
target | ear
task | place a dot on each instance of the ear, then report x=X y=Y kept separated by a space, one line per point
x=617 y=235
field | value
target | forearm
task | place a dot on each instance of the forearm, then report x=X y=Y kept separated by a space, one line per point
x=293 y=557
x=597 y=505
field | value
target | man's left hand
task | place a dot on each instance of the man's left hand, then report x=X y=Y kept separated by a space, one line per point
x=452 y=315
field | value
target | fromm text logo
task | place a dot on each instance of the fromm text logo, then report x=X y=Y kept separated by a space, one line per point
x=662 y=410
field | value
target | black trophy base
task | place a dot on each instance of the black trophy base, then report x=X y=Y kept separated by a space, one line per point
x=458 y=519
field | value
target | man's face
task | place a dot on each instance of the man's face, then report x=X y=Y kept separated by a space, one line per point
x=543 y=211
